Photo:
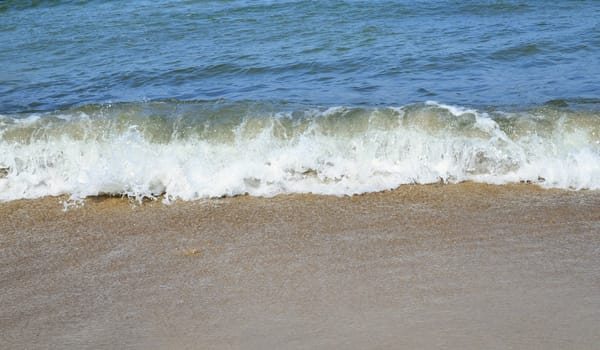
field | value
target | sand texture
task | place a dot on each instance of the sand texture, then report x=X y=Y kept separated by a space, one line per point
x=463 y=266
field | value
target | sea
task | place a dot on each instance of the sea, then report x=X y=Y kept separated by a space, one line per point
x=183 y=100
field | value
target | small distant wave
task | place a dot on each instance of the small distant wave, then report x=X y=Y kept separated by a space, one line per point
x=517 y=52
x=201 y=149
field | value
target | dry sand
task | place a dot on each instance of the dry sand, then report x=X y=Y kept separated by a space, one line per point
x=423 y=267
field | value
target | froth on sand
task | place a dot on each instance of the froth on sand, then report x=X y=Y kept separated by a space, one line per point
x=466 y=266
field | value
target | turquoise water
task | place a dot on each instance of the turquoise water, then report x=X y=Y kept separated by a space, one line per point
x=196 y=99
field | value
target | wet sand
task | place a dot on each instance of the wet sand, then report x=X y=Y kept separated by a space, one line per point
x=423 y=267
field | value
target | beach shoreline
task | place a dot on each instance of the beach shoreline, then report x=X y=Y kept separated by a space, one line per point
x=465 y=266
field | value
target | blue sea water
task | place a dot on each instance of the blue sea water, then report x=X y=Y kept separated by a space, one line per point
x=207 y=98
x=60 y=54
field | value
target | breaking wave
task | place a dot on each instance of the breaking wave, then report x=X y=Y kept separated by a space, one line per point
x=201 y=149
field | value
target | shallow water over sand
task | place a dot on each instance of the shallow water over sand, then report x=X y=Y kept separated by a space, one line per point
x=453 y=266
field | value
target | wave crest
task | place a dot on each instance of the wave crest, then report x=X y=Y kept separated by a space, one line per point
x=213 y=149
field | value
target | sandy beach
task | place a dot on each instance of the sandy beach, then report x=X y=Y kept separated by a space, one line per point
x=465 y=266
x=330 y=175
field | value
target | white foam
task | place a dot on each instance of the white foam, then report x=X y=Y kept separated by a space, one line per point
x=311 y=161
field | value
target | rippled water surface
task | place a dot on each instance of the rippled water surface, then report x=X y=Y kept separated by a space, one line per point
x=195 y=99
x=63 y=54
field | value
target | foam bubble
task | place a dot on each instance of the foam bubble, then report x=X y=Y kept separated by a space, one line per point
x=338 y=151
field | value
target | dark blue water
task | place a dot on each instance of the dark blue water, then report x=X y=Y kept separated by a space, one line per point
x=64 y=54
